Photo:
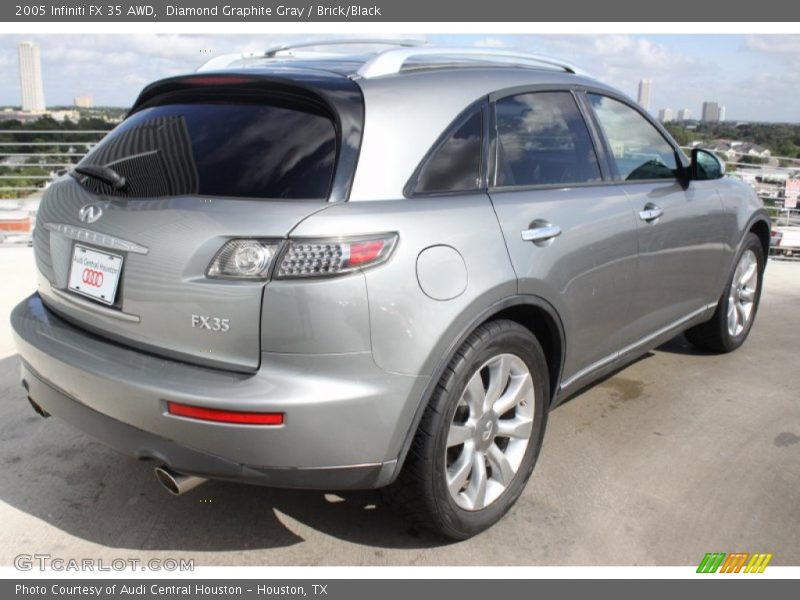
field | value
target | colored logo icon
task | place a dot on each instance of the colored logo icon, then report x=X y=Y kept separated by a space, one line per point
x=737 y=562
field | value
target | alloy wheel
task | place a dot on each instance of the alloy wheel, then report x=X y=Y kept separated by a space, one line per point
x=742 y=295
x=490 y=432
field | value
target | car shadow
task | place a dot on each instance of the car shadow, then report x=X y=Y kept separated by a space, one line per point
x=57 y=474
x=680 y=345
x=677 y=345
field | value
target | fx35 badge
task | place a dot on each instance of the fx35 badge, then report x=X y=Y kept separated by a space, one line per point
x=211 y=323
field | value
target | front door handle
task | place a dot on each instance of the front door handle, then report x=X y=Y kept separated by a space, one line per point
x=651 y=212
x=541 y=233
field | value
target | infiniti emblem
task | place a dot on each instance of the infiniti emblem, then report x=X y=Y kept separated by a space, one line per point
x=90 y=213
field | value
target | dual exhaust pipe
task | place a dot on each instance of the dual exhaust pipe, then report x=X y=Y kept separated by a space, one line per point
x=176 y=483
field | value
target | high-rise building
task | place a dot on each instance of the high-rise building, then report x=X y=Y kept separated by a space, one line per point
x=684 y=114
x=721 y=113
x=665 y=115
x=30 y=77
x=710 y=112
x=82 y=101
x=644 y=93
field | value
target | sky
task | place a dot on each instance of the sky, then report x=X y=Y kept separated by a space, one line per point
x=757 y=77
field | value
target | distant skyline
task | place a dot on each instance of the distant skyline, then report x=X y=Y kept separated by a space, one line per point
x=30 y=78
x=757 y=77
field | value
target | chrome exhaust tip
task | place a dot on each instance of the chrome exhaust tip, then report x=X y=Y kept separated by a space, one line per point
x=177 y=483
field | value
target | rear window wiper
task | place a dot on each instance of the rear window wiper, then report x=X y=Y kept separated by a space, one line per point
x=104 y=174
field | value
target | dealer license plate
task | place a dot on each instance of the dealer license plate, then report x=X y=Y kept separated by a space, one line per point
x=95 y=274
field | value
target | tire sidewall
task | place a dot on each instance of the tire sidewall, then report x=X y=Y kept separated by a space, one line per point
x=463 y=523
x=751 y=242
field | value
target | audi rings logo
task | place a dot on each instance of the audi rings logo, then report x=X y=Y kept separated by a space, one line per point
x=92 y=278
x=90 y=213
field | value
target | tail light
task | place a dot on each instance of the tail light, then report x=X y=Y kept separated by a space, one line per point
x=327 y=257
x=215 y=79
x=244 y=259
x=299 y=258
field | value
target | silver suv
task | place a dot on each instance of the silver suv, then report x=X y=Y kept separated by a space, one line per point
x=374 y=270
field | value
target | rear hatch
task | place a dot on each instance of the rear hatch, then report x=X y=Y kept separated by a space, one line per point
x=205 y=159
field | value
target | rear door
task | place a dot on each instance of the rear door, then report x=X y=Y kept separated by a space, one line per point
x=201 y=167
x=680 y=224
x=571 y=235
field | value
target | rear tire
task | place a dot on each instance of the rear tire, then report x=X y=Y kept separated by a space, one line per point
x=736 y=310
x=480 y=435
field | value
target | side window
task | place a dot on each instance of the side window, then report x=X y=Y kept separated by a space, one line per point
x=456 y=165
x=639 y=150
x=543 y=140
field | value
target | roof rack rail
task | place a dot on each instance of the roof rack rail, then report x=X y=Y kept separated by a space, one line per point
x=225 y=60
x=391 y=61
x=406 y=43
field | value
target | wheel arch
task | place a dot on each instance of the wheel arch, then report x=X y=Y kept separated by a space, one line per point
x=532 y=312
x=761 y=227
x=545 y=325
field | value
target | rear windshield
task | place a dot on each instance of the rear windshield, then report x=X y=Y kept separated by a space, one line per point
x=251 y=150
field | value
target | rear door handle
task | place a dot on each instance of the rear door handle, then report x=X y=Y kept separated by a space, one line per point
x=541 y=233
x=651 y=212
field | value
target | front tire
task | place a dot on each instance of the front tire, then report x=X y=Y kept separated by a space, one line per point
x=480 y=435
x=736 y=310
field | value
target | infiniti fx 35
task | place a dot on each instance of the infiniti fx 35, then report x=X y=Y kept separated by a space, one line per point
x=374 y=271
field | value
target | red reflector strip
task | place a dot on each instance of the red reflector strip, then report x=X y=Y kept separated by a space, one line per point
x=362 y=253
x=224 y=416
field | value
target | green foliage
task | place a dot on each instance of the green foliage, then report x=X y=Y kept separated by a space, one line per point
x=682 y=135
x=781 y=139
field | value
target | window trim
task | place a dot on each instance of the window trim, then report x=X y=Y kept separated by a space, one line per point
x=681 y=164
x=606 y=160
x=489 y=148
x=599 y=149
x=480 y=106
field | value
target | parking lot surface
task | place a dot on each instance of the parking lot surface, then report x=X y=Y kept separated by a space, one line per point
x=679 y=454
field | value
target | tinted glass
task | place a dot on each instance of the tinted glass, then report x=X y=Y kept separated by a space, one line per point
x=456 y=165
x=543 y=140
x=639 y=150
x=242 y=150
x=707 y=166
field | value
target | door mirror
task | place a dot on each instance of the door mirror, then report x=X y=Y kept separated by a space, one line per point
x=706 y=165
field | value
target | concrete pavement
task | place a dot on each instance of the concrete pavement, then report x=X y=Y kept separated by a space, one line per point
x=677 y=455
x=17 y=280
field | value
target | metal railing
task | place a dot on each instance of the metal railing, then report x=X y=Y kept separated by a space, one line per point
x=766 y=175
x=29 y=160
x=27 y=166
x=785 y=233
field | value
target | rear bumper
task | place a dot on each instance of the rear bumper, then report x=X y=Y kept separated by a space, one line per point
x=345 y=419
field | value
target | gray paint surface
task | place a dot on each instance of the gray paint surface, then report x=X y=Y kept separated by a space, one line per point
x=168 y=284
